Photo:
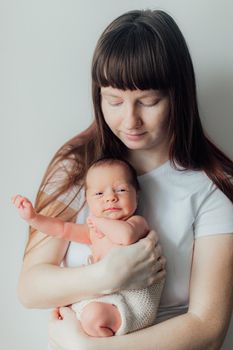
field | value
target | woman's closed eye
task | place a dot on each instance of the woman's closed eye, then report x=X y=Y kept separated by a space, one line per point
x=149 y=103
x=115 y=103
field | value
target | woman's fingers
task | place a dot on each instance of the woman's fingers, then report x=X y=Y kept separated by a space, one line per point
x=62 y=313
x=55 y=314
x=158 y=271
x=136 y=265
x=156 y=278
x=157 y=262
x=151 y=239
x=151 y=249
x=161 y=263
x=66 y=312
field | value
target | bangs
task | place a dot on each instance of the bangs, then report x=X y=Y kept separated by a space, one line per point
x=131 y=58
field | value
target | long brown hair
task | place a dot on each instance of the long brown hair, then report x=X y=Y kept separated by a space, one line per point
x=142 y=50
x=146 y=50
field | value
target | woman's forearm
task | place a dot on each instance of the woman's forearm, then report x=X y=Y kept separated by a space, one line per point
x=185 y=332
x=47 y=285
x=44 y=284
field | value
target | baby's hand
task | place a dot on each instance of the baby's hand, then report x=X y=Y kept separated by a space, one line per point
x=92 y=225
x=25 y=207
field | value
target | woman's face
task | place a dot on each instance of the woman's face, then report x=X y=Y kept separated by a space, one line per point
x=138 y=118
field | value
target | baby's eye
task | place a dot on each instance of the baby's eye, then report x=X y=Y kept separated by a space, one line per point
x=98 y=194
x=121 y=190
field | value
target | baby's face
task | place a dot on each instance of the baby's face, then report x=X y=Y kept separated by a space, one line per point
x=109 y=192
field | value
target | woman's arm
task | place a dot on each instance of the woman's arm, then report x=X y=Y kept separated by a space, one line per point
x=203 y=327
x=44 y=284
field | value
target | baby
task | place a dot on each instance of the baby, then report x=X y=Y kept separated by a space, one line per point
x=111 y=190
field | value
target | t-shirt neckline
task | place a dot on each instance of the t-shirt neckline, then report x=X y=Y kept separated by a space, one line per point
x=161 y=169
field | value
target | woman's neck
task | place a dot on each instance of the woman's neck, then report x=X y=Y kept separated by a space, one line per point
x=144 y=161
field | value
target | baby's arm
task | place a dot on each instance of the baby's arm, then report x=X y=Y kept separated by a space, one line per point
x=49 y=225
x=122 y=232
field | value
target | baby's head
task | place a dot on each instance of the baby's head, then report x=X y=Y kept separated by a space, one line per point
x=112 y=188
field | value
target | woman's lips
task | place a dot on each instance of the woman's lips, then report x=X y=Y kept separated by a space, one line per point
x=134 y=137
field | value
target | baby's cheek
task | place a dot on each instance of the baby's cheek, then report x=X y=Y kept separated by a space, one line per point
x=95 y=208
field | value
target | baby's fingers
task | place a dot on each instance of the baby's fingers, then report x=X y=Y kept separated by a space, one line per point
x=21 y=202
x=88 y=220
x=15 y=198
x=18 y=200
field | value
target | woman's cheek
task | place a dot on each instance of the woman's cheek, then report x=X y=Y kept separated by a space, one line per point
x=112 y=123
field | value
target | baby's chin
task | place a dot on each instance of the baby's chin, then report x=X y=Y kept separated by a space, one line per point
x=115 y=215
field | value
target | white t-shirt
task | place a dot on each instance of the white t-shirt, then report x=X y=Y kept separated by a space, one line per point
x=181 y=206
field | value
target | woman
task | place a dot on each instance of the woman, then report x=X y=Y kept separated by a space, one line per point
x=146 y=110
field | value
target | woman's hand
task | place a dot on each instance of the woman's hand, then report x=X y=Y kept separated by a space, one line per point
x=135 y=266
x=65 y=332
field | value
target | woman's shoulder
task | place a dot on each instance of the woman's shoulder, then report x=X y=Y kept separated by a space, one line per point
x=212 y=209
x=176 y=177
x=200 y=187
x=178 y=183
x=193 y=178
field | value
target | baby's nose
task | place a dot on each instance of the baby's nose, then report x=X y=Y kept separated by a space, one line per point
x=111 y=197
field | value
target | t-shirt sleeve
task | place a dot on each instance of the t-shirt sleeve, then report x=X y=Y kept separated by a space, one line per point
x=215 y=213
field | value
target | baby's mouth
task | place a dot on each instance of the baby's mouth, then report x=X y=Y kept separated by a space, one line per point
x=112 y=209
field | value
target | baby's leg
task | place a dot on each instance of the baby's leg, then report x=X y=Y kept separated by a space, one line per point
x=100 y=319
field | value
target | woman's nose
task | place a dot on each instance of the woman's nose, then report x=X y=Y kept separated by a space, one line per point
x=132 y=119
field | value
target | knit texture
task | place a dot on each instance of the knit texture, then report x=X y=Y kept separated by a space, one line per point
x=138 y=308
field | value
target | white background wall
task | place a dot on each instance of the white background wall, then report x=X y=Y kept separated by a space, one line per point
x=45 y=53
